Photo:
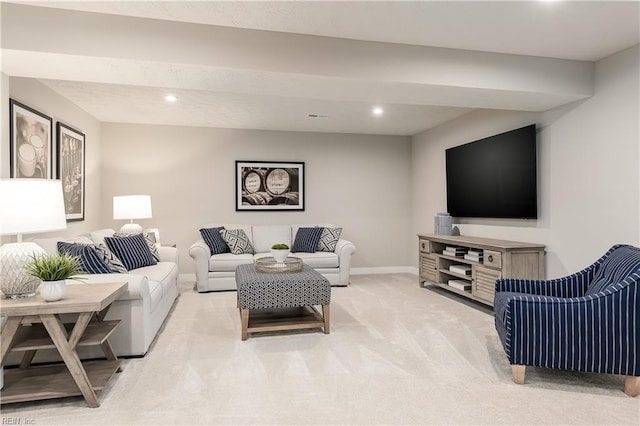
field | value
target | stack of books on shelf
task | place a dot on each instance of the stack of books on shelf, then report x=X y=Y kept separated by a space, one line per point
x=460 y=284
x=474 y=256
x=454 y=251
x=461 y=269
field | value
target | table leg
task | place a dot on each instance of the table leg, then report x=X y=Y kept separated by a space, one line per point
x=9 y=332
x=326 y=317
x=244 y=316
x=58 y=334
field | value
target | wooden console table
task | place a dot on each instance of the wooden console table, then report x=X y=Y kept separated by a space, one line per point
x=476 y=277
x=34 y=324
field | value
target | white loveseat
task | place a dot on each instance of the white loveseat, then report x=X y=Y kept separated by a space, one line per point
x=151 y=292
x=217 y=272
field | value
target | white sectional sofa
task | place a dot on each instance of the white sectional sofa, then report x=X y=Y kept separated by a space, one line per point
x=217 y=272
x=151 y=292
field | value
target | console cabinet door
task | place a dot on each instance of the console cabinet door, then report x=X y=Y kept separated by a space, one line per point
x=428 y=267
x=484 y=283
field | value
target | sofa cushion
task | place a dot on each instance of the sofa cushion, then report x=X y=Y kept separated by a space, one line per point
x=264 y=236
x=228 y=262
x=307 y=240
x=237 y=240
x=329 y=239
x=90 y=261
x=50 y=245
x=133 y=251
x=319 y=259
x=149 y=238
x=621 y=263
x=214 y=240
x=98 y=236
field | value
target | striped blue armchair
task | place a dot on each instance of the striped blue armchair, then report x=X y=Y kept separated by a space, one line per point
x=588 y=321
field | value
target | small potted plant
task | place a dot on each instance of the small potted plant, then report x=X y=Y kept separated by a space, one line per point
x=53 y=271
x=280 y=252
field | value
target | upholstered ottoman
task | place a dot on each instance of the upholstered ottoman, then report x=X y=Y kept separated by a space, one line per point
x=282 y=301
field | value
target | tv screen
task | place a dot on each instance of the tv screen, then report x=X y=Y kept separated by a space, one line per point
x=494 y=177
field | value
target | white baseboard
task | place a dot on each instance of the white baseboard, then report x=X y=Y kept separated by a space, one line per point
x=385 y=270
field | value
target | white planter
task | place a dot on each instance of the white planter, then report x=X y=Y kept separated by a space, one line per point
x=52 y=291
x=280 y=255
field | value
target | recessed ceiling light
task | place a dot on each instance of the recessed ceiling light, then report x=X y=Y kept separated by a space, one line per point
x=377 y=111
x=170 y=98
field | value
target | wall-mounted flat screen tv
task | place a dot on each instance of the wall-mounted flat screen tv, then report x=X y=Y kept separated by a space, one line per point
x=494 y=177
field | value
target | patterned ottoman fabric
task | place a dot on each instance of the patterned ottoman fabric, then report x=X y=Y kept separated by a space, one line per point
x=257 y=290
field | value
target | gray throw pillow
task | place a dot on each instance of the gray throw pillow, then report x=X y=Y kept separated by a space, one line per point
x=328 y=239
x=237 y=241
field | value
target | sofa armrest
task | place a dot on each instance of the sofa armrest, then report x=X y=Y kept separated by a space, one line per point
x=168 y=254
x=573 y=285
x=137 y=285
x=200 y=253
x=344 y=249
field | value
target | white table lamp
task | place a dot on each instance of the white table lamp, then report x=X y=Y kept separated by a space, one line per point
x=129 y=207
x=27 y=206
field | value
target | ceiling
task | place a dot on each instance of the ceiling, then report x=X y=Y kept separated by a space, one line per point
x=269 y=65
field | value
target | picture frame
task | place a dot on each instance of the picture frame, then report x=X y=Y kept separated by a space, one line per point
x=270 y=186
x=71 y=170
x=31 y=142
x=154 y=233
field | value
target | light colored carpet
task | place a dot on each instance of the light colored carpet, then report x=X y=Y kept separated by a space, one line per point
x=397 y=354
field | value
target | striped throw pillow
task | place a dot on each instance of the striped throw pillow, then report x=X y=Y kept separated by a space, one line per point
x=114 y=264
x=149 y=238
x=90 y=261
x=133 y=251
x=329 y=239
x=214 y=240
x=307 y=240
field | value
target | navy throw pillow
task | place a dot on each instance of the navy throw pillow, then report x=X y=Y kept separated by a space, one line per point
x=214 y=240
x=90 y=261
x=307 y=240
x=133 y=251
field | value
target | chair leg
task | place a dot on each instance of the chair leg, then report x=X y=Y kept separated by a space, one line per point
x=518 y=373
x=632 y=385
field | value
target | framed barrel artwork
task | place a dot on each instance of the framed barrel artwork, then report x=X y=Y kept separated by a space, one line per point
x=269 y=186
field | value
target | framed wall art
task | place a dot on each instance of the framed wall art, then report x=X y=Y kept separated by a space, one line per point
x=269 y=186
x=71 y=171
x=31 y=142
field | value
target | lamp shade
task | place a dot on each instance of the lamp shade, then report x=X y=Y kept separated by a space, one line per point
x=132 y=207
x=29 y=206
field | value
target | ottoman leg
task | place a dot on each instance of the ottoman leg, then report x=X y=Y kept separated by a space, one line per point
x=244 y=316
x=326 y=317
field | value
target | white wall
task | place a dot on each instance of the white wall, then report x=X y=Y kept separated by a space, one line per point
x=589 y=184
x=39 y=97
x=359 y=182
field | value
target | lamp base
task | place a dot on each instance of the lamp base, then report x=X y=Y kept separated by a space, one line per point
x=15 y=283
x=131 y=228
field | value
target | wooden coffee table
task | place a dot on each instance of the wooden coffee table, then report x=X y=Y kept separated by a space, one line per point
x=282 y=301
x=33 y=324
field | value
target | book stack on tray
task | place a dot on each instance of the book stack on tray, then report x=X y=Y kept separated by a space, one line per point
x=473 y=255
x=460 y=284
x=454 y=251
x=461 y=269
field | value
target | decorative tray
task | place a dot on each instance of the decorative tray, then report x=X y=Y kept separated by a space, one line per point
x=269 y=265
